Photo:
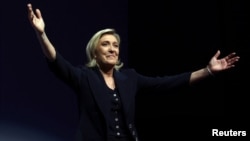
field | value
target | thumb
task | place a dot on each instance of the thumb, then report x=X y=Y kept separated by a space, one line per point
x=217 y=54
x=39 y=14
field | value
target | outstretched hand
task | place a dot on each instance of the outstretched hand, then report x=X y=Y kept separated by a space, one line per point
x=36 y=19
x=227 y=62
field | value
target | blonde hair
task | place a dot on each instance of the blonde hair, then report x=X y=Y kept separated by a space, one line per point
x=92 y=44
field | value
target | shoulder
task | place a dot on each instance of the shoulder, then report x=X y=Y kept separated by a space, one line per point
x=127 y=70
x=86 y=69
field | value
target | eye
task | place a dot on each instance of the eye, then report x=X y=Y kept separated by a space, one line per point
x=104 y=44
x=116 y=45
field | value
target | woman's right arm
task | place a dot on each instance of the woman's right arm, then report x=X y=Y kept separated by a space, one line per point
x=57 y=64
x=38 y=25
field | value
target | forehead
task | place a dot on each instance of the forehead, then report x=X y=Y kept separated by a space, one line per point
x=108 y=37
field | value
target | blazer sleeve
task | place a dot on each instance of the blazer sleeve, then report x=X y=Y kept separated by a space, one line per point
x=163 y=83
x=65 y=71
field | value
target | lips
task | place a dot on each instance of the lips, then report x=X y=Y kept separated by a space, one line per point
x=111 y=56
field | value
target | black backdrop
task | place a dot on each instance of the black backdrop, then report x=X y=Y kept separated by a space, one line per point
x=158 y=38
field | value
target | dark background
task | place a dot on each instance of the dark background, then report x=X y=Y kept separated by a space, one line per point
x=158 y=38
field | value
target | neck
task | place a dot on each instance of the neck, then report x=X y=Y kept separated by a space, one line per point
x=108 y=77
x=107 y=72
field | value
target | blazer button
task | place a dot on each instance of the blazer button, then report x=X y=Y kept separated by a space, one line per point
x=133 y=133
x=130 y=126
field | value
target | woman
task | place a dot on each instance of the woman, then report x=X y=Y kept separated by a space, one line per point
x=106 y=93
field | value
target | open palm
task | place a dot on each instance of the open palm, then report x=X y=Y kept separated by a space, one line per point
x=36 y=19
x=224 y=63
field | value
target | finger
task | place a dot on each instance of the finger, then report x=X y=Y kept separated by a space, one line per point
x=231 y=55
x=235 y=59
x=30 y=11
x=38 y=13
x=29 y=8
x=232 y=61
x=29 y=5
x=217 y=54
x=228 y=67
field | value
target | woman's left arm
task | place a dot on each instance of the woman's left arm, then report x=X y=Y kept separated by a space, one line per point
x=214 y=66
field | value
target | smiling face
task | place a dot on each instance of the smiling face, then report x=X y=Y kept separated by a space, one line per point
x=107 y=51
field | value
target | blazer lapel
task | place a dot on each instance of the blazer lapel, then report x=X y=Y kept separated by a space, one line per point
x=99 y=91
x=123 y=86
x=98 y=88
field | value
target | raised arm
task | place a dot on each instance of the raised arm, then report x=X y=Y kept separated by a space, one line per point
x=214 y=66
x=37 y=22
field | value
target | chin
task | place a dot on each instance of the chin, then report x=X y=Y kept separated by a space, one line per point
x=111 y=62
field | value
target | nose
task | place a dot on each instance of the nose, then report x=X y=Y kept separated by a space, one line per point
x=111 y=48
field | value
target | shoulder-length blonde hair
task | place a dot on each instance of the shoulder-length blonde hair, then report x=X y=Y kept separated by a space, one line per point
x=92 y=44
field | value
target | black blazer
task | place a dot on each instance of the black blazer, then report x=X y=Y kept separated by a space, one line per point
x=89 y=88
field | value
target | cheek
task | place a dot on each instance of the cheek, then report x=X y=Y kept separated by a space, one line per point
x=117 y=51
x=103 y=51
x=99 y=52
x=99 y=55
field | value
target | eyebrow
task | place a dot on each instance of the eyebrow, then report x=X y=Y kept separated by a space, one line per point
x=106 y=41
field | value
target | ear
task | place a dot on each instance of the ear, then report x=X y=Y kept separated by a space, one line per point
x=94 y=54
